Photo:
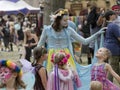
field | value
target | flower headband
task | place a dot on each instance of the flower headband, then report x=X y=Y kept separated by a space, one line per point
x=63 y=61
x=61 y=12
x=11 y=65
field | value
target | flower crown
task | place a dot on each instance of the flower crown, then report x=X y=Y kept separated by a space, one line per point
x=63 y=61
x=11 y=65
x=61 y=12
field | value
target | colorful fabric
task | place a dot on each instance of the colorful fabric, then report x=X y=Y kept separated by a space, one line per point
x=62 y=40
x=29 y=80
x=66 y=79
x=11 y=65
x=28 y=74
x=49 y=65
x=76 y=19
x=99 y=74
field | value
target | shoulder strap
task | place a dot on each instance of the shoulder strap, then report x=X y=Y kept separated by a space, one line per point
x=37 y=68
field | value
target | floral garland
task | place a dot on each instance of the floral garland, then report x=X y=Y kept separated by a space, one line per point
x=65 y=78
x=11 y=65
x=63 y=61
x=58 y=14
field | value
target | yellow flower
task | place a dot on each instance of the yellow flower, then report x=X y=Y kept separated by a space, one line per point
x=65 y=10
x=61 y=12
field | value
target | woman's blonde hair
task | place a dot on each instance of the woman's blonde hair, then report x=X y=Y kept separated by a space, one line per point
x=96 y=85
x=107 y=53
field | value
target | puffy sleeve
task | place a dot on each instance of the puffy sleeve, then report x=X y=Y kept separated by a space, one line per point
x=43 y=38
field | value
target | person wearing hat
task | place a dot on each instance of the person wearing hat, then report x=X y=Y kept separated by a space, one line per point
x=112 y=41
x=116 y=9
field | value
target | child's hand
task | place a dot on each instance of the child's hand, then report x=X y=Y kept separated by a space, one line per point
x=31 y=44
x=77 y=79
x=25 y=45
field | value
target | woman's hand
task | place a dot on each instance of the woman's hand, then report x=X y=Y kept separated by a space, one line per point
x=26 y=45
x=101 y=31
x=32 y=44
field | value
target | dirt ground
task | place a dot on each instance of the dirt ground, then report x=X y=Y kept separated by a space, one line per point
x=14 y=56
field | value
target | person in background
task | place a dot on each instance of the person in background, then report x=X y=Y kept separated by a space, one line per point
x=12 y=35
x=1 y=34
x=92 y=21
x=116 y=9
x=6 y=37
x=30 y=41
x=26 y=24
x=112 y=41
x=19 y=32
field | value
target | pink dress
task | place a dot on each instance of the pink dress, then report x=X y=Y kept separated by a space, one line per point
x=67 y=78
x=99 y=74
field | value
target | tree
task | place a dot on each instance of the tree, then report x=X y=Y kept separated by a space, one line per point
x=50 y=7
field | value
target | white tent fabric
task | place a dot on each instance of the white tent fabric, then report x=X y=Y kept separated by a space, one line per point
x=24 y=4
x=9 y=6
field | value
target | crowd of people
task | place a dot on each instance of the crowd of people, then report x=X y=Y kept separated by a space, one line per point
x=55 y=67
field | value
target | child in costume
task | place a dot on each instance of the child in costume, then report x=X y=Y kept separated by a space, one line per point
x=28 y=76
x=96 y=85
x=62 y=77
x=10 y=76
x=40 y=55
x=101 y=69
x=58 y=36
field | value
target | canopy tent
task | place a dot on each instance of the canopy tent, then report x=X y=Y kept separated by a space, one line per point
x=9 y=6
x=28 y=8
x=13 y=0
x=15 y=7
x=24 y=4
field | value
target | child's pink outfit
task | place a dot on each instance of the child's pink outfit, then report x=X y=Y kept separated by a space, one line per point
x=67 y=78
x=99 y=74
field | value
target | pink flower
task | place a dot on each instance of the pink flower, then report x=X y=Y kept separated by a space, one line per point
x=52 y=56
x=65 y=60
x=68 y=56
x=52 y=60
x=60 y=63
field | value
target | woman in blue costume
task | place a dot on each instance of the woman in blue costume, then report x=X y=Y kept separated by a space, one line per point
x=58 y=36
